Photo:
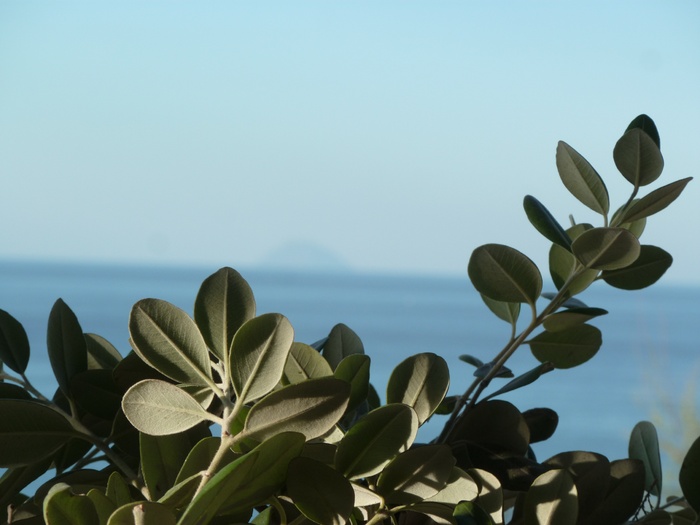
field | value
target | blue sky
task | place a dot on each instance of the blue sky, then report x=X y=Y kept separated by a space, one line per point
x=389 y=136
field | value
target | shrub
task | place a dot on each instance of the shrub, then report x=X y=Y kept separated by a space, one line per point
x=223 y=418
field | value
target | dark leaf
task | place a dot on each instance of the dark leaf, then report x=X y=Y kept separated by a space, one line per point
x=606 y=248
x=656 y=201
x=522 y=380
x=582 y=181
x=648 y=268
x=101 y=354
x=646 y=124
x=638 y=158
x=545 y=223
x=569 y=348
x=14 y=344
x=504 y=274
x=689 y=476
x=66 y=345
x=341 y=342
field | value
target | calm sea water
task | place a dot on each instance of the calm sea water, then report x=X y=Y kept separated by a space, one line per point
x=650 y=351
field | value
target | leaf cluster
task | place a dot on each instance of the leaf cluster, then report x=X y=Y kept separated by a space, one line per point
x=223 y=417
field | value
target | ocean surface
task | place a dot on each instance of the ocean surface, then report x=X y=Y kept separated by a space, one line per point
x=646 y=369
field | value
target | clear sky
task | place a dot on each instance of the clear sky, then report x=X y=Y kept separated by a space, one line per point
x=388 y=136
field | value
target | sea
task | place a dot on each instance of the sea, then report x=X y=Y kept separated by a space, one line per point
x=647 y=369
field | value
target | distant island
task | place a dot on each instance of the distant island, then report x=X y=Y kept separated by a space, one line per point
x=300 y=255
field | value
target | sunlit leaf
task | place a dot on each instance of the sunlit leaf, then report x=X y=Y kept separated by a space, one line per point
x=638 y=158
x=508 y=312
x=118 y=490
x=689 y=477
x=143 y=513
x=644 y=446
x=103 y=505
x=420 y=381
x=490 y=497
x=566 y=319
x=568 y=348
x=14 y=344
x=460 y=486
x=591 y=473
x=311 y=408
x=62 y=507
x=504 y=274
x=166 y=338
x=341 y=342
x=304 y=362
x=354 y=369
x=258 y=355
x=552 y=499
x=65 y=344
x=606 y=248
x=416 y=474
x=224 y=303
x=159 y=408
x=656 y=201
x=375 y=440
x=545 y=223
x=321 y=493
x=648 y=268
x=581 y=179
x=30 y=431
x=434 y=513
x=201 y=456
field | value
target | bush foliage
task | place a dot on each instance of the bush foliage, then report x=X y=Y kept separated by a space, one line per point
x=224 y=418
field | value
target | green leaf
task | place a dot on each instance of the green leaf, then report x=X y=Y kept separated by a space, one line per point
x=30 y=431
x=95 y=392
x=321 y=493
x=563 y=264
x=341 y=342
x=470 y=359
x=460 y=486
x=159 y=408
x=648 y=268
x=167 y=338
x=181 y=493
x=258 y=354
x=247 y=481
x=523 y=380
x=568 y=348
x=606 y=248
x=14 y=344
x=490 y=496
x=224 y=303
x=201 y=456
x=101 y=354
x=552 y=499
x=118 y=490
x=591 y=473
x=638 y=158
x=625 y=493
x=416 y=474
x=421 y=382
x=566 y=319
x=646 y=124
x=304 y=362
x=62 y=507
x=143 y=513
x=508 y=312
x=656 y=201
x=375 y=440
x=12 y=391
x=161 y=460
x=689 y=477
x=66 y=345
x=545 y=223
x=469 y=513
x=437 y=513
x=354 y=369
x=582 y=181
x=504 y=274
x=103 y=505
x=644 y=446
x=311 y=408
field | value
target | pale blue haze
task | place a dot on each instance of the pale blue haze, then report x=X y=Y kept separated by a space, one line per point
x=383 y=136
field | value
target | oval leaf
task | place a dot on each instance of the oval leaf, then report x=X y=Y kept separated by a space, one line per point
x=30 y=431
x=14 y=344
x=644 y=446
x=354 y=370
x=638 y=158
x=321 y=493
x=258 y=354
x=421 y=382
x=375 y=440
x=656 y=201
x=101 y=354
x=648 y=268
x=508 y=312
x=416 y=474
x=504 y=274
x=606 y=248
x=560 y=321
x=647 y=125
x=62 y=507
x=568 y=348
x=224 y=303
x=159 y=408
x=341 y=342
x=66 y=345
x=545 y=223
x=552 y=499
x=582 y=181
x=167 y=338
x=311 y=408
x=96 y=392
x=304 y=362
